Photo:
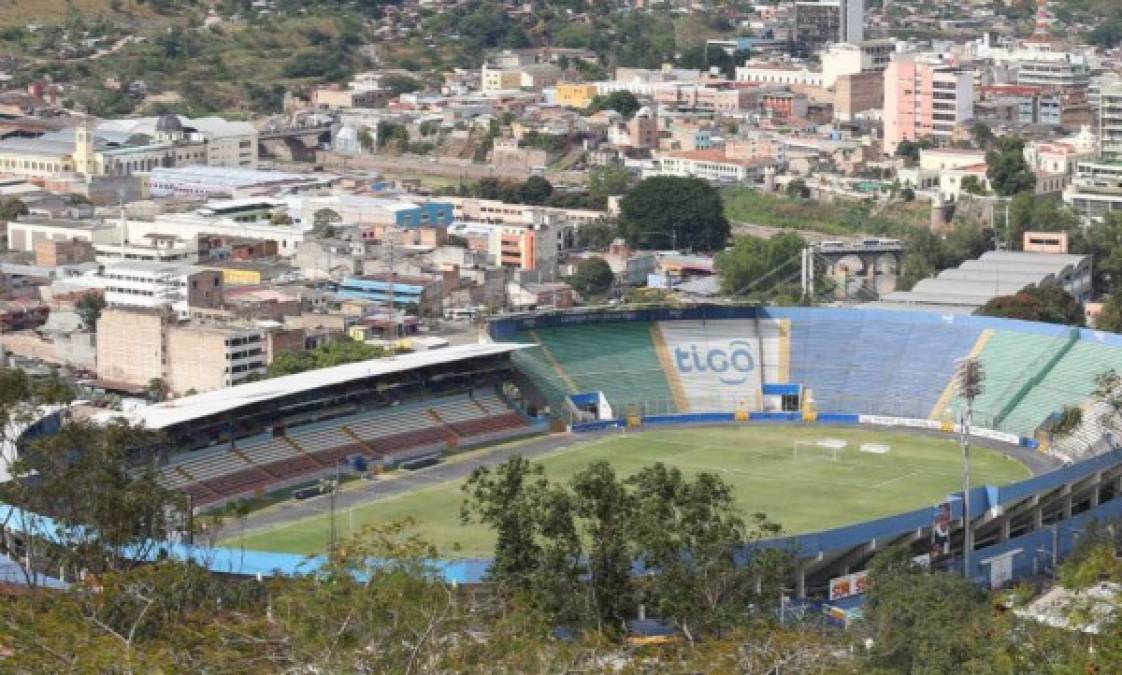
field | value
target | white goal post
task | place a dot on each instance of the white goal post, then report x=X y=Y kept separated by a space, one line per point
x=822 y=447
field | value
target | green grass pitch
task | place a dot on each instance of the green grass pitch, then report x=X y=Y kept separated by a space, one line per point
x=803 y=494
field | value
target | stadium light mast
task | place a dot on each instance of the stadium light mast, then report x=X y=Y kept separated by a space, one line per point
x=969 y=378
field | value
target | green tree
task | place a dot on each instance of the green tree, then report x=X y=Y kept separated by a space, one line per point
x=604 y=505
x=623 y=102
x=1007 y=169
x=910 y=150
x=688 y=537
x=608 y=181
x=1103 y=240
x=1041 y=214
x=507 y=498
x=108 y=514
x=680 y=212
x=1111 y=316
x=982 y=135
x=157 y=389
x=535 y=190
x=925 y=622
x=972 y=185
x=758 y=267
x=88 y=307
x=592 y=276
x=335 y=353
x=597 y=235
x=11 y=208
x=401 y=84
x=1050 y=304
x=797 y=189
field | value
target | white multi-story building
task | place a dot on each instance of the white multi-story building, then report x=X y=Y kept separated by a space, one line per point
x=1097 y=188
x=155 y=285
x=1110 y=123
x=763 y=72
x=710 y=165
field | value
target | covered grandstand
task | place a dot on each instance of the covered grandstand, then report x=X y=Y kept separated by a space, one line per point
x=271 y=434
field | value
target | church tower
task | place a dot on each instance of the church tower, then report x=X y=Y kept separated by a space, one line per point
x=85 y=161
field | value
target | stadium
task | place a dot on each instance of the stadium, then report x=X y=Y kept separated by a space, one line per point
x=840 y=424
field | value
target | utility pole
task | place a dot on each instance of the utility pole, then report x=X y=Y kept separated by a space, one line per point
x=969 y=377
x=390 y=292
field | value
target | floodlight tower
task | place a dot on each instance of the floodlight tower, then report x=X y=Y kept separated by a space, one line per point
x=969 y=377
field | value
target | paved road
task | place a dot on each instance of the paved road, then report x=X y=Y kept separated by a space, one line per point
x=458 y=468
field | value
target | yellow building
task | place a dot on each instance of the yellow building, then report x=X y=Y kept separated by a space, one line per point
x=575 y=94
x=240 y=276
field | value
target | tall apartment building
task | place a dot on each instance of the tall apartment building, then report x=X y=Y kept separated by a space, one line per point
x=821 y=22
x=924 y=97
x=1110 y=123
x=1096 y=190
x=136 y=346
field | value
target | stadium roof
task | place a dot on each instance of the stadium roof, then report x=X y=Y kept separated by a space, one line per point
x=993 y=274
x=164 y=415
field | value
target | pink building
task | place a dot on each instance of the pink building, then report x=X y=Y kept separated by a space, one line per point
x=925 y=96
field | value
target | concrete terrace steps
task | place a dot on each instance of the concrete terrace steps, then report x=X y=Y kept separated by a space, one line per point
x=255 y=463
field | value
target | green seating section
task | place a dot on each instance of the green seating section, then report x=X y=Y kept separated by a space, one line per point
x=1009 y=361
x=1070 y=382
x=618 y=359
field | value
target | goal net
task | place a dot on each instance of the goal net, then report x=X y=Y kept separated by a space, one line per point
x=821 y=448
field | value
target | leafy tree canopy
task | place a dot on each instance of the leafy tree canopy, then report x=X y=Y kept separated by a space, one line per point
x=1050 y=304
x=623 y=102
x=593 y=276
x=685 y=213
x=1007 y=169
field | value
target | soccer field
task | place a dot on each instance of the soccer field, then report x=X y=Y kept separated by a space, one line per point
x=803 y=494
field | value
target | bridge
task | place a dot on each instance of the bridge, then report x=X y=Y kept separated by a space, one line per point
x=296 y=144
x=867 y=253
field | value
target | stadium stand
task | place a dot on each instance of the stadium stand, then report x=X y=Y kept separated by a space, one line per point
x=747 y=351
x=300 y=453
x=859 y=362
x=1009 y=361
x=888 y=363
x=1071 y=379
x=616 y=358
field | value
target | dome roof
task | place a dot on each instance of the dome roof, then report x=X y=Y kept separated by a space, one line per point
x=168 y=123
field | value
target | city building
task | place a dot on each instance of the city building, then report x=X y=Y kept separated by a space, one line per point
x=787 y=74
x=574 y=94
x=642 y=129
x=1110 y=123
x=925 y=96
x=215 y=182
x=426 y=293
x=129 y=146
x=532 y=246
x=25 y=233
x=711 y=165
x=156 y=285
x=846 y=58
x=137 y=346
x=1096 y=189
x=821 y=22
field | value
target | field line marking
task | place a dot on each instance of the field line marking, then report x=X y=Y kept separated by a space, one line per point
x=896 y=478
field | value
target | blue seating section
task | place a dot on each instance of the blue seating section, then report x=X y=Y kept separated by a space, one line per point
x=867 y=364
